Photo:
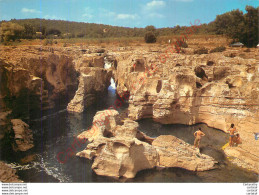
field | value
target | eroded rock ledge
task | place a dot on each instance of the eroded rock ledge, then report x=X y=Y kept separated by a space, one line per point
x=7 y=174
x=23 y=139
x=188 y=89
x=121 y=150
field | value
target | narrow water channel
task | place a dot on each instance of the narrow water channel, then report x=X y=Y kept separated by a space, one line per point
x=55 y=130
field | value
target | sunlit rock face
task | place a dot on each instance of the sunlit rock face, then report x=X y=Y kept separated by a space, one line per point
x=94 y=80
x=119 y=149
x=188 y=89
x=50 y=76
x=36 y=78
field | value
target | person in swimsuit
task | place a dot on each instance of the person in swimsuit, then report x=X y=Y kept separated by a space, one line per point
x=237 y=140
x=232 y=130
x=198 y=134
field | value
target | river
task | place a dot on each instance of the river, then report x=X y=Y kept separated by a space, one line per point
x=55 y=130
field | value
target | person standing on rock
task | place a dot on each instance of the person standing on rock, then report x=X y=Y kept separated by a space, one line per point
x=232 y=130
x=198 y=134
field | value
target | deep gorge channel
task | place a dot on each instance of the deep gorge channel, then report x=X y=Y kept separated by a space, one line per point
x=55 y=130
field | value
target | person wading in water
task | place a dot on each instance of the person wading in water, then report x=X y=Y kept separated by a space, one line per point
x=198 y=134
x=232 y=130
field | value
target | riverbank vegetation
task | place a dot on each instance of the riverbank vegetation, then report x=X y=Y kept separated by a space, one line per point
x=235 y=25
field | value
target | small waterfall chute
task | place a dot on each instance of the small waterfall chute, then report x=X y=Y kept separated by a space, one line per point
x=112 y=85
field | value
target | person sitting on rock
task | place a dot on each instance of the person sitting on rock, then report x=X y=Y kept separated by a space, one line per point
x=198 y=134
x=237 y=140
x=232 y=130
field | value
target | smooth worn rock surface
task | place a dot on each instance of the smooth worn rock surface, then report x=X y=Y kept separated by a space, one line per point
x=122 y=150
x=174 y=152
x=51 y=75
x=22 y=136
x=243 y=158
x=93 y=82
x=45 y=76
x=188 y=89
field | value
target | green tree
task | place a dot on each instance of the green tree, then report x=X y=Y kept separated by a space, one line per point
x=238 y=26
x=28 y=32
x=10 y=31
x=251 y=34
x=152 y=29
x=150 y=37
x=230 y=24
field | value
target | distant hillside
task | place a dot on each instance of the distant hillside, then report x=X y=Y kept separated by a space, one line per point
x=235 y=24
x=92 y=30
x=80 y=29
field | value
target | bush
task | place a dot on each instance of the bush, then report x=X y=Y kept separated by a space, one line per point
x=181 y=44
x=54 y=31
x=184 y=45
x=150 y=37
x=218 y=49
x=202 y=50
x=10 y=31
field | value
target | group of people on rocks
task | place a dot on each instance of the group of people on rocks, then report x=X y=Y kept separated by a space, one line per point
x=234 y=138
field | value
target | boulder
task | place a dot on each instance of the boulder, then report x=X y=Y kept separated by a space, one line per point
x=7 y=174
x=122 y=150
x=22 y=136
x=93 y=82
x=174 y=152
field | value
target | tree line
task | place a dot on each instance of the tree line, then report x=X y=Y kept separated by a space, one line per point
x=234 y=24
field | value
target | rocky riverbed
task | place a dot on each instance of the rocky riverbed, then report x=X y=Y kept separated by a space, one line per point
x=216 y=89
x=123 y=150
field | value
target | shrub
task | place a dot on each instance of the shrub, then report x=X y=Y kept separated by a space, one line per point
x=150 y=37
x=10 y=31
x=218 y=49
x=181 y=44
x=202 y=50
x=53 y=31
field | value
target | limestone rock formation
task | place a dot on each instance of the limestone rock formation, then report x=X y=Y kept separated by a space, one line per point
x=22 y=136
x=35 y=78
x=242 y=158
x=93 y=82
x=7 y=174
x=174 y=152
x=189 y=89
x=122 y=150
x=50 y=76
x=89 y=60
x=41 y=78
